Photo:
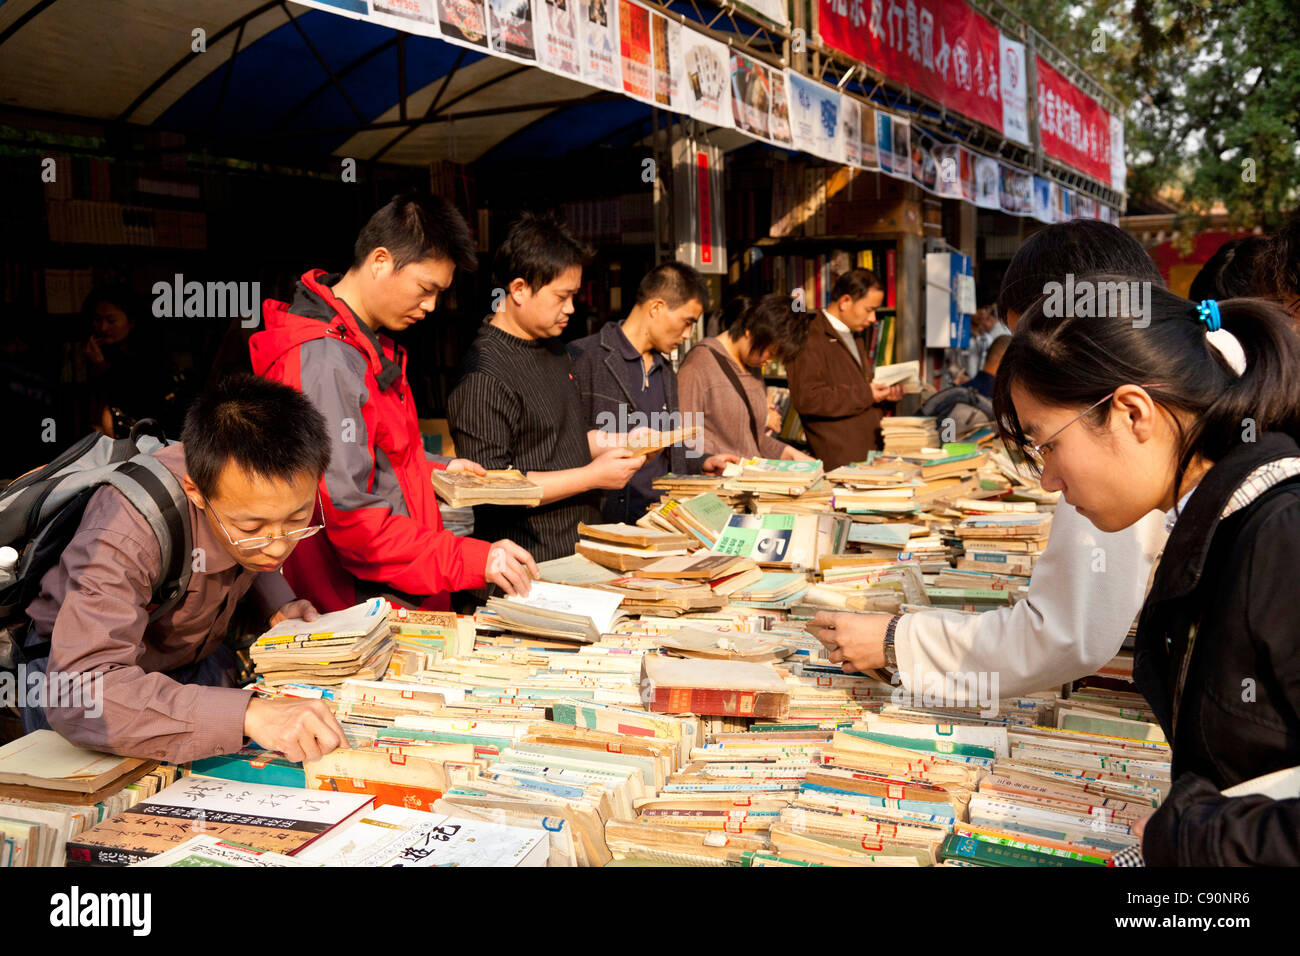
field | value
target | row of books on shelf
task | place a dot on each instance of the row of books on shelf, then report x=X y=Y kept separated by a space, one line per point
x=627 y=218
x=815 y=201
x=758 y=270
x=110 y=223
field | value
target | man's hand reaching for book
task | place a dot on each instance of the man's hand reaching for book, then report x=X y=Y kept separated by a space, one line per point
x=511 y=568
x=301 y=610
x=855 y=641
x=299 y=729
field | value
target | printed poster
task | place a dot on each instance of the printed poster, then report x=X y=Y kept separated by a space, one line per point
x=885 y=141
x=851 y=129
x=1015 y=87
x=512 y=28
x=1042 y=207
x=900 y=129
x=815 y=119
x=599 y=59
x=414 y=16
x=557 y=37
x=986 y=183
x=669 y=64
x=463 y=22
x=947 y=161
x=780 y=119
x=751 y=96
x=925 y=171
x=634 y=50
x=868 y=155
x=708 y=79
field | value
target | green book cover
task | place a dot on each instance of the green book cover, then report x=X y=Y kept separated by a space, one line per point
x=924 y=745
x=1008 y=853
x=709 y=510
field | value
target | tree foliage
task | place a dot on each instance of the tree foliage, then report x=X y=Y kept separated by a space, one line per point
x=1212 y=92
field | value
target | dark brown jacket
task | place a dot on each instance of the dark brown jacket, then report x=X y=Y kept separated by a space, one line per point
x=832 y=394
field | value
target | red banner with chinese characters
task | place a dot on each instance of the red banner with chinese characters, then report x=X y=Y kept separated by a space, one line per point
x=1073 y=127
x=942 y=49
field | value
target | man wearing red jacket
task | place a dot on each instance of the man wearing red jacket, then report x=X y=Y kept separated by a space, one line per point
x=383 y=531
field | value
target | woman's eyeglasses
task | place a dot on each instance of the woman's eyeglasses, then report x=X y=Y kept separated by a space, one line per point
x=1035 y=452
x=257 y=544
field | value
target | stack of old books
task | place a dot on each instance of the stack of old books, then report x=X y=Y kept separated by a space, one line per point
x=354 y=642
x=557 y=611
x=906 y=434
x=625 y=547
x=702 y=516
x=1004 y=543
x=462 y=489
x=770 y=476
x=51 y=790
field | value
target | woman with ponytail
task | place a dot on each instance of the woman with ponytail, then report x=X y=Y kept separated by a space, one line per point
x=1193 y=410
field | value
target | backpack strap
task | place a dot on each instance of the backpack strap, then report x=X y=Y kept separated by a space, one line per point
x=154 y=491
x=744 y=396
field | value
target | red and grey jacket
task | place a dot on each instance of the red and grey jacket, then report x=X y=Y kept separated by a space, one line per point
x=381 y=517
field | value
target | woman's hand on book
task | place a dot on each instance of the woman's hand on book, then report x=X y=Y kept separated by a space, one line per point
x=464 y=464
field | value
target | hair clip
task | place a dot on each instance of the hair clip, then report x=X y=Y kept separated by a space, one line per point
x=1208 y=313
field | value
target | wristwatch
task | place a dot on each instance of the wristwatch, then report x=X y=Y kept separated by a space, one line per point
x=891 y=652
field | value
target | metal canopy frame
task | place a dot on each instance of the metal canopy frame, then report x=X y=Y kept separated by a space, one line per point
x=722 y=20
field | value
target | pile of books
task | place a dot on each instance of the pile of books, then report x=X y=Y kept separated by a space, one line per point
x=1004 y=543
x=51 y=791
x=770 y=476
x=904 y=434
x=789 y=542
x=625 y=547
x=354 y=642
x=702 y=516
x=462 y=489
x=556 y=611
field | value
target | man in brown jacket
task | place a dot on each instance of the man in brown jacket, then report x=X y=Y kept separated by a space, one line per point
x=830 y=379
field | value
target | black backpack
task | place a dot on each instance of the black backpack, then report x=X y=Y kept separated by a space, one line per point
x=41 y=511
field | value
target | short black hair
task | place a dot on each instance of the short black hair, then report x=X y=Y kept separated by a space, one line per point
x=1230 y=272
x=537 y=248
x=266 y=428
x=1278 y=270
x=674 y=282
x=770 y=320
x=855 y=284
x=1079 y=246
x=414 y=226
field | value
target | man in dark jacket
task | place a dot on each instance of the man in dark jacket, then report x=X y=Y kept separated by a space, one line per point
x=830 y=378
x=627 y=381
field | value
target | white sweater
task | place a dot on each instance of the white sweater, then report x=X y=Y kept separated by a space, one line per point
x=1086 y=590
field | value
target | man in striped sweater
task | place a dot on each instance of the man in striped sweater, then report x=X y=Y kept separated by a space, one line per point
x=517 y=405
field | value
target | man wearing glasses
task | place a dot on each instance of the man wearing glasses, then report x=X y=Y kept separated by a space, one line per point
x=250 y=459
